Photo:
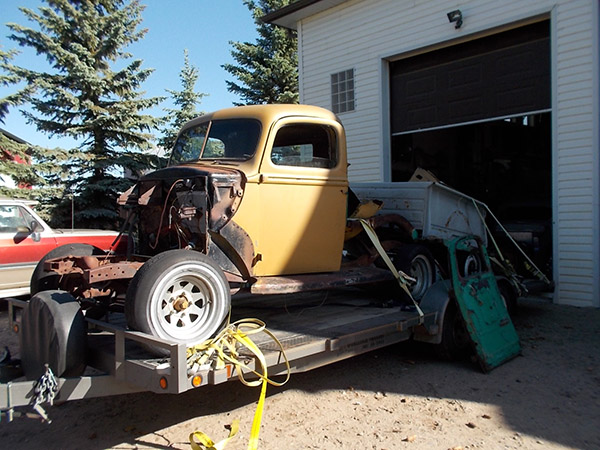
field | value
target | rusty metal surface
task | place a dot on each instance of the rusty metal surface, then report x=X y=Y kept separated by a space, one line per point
x=112 y=271
x=224 y=188
x=237 y=246
x=178 y=206
x=81 y=274
x=393 y=219
x=312 y=282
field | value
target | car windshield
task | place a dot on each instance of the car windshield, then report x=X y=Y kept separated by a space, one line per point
x=217 y=139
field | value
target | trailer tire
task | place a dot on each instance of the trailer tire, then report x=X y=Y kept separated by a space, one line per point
x=53 y=332
x=178 y=295
x=416 y=261
x=42 y=280
x=455 y=341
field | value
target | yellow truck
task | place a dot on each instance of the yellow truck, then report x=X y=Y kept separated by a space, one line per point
x=254 y=199
x=253 y=215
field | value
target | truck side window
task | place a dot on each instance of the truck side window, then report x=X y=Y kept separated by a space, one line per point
x=305 y=145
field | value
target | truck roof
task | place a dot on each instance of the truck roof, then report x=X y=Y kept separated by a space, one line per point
x=266 y=113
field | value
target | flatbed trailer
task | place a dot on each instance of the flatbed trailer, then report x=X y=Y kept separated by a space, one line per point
x=314 y=329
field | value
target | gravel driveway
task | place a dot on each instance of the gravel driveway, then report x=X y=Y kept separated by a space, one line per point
x=395 y=398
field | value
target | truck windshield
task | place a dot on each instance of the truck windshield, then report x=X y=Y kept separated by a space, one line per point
x=217 y=139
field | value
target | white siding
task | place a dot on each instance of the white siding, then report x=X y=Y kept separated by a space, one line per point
x=360 y=34
x=575 y=152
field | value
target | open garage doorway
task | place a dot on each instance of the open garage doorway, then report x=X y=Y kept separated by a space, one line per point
x=477 y=115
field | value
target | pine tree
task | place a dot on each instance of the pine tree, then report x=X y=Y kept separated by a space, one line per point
x=17 y=156
x=7 y=78
x=13 y=153
x=185 y=102
x=82 y=97
x=267 y=70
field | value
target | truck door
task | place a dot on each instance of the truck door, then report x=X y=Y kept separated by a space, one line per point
x=303 y=192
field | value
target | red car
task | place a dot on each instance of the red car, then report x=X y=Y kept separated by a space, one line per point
x=25 y=238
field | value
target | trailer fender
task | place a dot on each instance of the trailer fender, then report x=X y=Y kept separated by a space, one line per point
x=53 y=332
x=435 y=299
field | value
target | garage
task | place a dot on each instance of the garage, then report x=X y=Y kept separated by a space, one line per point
x=478 y=116
x=497 y=99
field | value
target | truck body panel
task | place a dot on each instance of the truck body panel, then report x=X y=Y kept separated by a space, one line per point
x=255 y=201
x=435 y=209
x=301 y=195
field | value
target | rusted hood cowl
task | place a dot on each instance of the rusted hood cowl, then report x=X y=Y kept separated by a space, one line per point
x=213 y=189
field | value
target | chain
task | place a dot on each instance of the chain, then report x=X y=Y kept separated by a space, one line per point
x=44 y=391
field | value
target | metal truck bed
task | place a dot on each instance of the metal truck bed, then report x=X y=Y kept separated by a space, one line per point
x=314 y=329
x=435 y=209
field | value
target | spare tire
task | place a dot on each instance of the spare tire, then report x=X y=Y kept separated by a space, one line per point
x=53 y=332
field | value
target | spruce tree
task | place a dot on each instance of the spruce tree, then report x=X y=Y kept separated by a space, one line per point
x=8 y=78
x=185 y=102
x=268 y=69
x=13 y=153
x=83 y=97
x=25 y=165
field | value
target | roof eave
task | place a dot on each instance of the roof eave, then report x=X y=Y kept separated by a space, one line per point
x=289 y=16
x=13 y=137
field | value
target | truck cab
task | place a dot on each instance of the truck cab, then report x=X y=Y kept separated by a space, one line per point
x=276 y=183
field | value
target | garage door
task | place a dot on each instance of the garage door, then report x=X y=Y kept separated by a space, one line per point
x=502 y=75
x=478 y=116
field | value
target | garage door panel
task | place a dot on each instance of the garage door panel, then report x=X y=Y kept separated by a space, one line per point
x=468 y=108
x=421 y=115
x=469 y=74
x=500 y=75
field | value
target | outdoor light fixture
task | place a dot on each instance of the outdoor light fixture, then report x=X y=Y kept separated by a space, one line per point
x=455 y=16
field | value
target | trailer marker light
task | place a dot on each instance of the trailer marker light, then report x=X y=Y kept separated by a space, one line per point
x=16 y=328
x=196 y=380
x=163 y=382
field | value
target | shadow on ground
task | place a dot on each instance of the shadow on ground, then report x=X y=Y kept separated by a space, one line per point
x=551 y=391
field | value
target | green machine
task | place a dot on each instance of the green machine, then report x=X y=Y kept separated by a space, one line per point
x=482 y=307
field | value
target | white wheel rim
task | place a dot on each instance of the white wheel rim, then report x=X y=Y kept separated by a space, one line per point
x=420 y=269
x=472 y=265
x=188 y=303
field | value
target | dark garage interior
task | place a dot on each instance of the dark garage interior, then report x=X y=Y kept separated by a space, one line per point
x=477 y=116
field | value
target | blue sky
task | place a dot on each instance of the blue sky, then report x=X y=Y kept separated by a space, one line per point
x=204 y=27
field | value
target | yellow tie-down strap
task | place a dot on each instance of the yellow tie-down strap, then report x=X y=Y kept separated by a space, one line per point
x=400 y=276
x=223 y=349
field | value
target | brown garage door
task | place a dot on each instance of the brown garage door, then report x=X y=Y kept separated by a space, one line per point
x=497 y=76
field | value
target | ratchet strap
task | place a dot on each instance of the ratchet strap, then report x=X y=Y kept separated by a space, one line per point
x=198 y=439
x=400 y=276
x=223 y=349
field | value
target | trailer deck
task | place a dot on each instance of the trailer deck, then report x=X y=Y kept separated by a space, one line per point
x=314 y=329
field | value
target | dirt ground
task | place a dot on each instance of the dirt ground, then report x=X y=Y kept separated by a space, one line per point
x=400 y=397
